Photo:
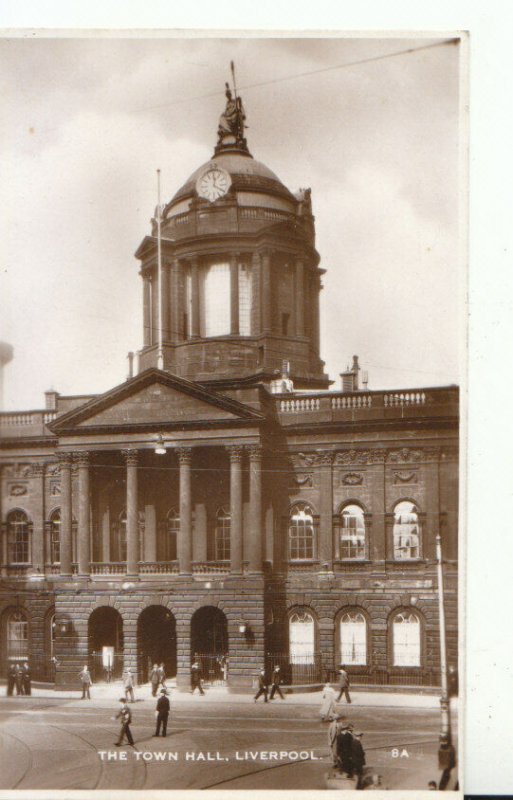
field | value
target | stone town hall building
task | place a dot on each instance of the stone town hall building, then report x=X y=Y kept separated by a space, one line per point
x=209 y=508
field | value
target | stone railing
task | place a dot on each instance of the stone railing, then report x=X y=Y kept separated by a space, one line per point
x=158 y=568
x=303 y=566
x=334 y=406
x=108 y=568
x=25 y=423
x=211 y=568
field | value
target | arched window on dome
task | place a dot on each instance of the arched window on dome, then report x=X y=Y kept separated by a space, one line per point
x=302 y=533
x=406 y=531
x=222 y=535
x=19 y=530
x=406 y=639
x=352 y=533
x=214 y=300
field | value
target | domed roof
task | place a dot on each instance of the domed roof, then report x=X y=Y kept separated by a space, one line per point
x=246 y=173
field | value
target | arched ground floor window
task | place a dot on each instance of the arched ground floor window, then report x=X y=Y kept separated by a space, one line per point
x=406 y=639
x=353 y=638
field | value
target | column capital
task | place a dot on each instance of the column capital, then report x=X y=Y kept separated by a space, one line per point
x=131 y=457
x=65 y=460
x=256 y=452
x=184 y=455
x=324 y=459
x=37 y=470
x=235 y=451
x=82 y=458
x=432 y=453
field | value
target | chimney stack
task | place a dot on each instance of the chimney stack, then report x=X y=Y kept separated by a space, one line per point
x=51 y=400
x=350 y=377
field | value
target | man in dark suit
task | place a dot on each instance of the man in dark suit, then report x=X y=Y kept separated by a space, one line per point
x=196 y=678
x=262 y=686
x=162 y=713
x=358 y=757
x=18 y=679
x=343 y=684
x=26 y=678
x=125 y=715
x=275 y=685
x=344 y=749
x=11 y=680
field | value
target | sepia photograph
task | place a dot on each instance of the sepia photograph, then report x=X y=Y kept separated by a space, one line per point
x=232 y=341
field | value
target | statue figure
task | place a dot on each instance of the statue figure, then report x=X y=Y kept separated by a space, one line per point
x=231 y=122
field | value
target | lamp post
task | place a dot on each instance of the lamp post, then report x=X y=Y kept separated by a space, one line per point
x=445 y=729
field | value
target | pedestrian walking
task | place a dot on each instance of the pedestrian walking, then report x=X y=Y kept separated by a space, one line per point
x=344 y=750
x=343 y=684
x=26 y=678
x=358 y=757
x=154 y=679
x=162 y=676
x=262 y=686
x=11 y=680
x=162 y=713
x=275 y=684
x=125 y=716
x=18 y=679
x=128 y=682
x=327 y=710
x=196 y=678
x=86 y=681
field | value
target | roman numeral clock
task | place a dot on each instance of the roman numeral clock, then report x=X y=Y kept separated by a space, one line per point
x=213 y=183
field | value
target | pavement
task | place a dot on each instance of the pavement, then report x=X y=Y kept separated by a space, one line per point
x=220 y=694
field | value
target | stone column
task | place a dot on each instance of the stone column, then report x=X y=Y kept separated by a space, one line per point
x=234 y=294
x=38 y=518
x=185 y=535
x=150 y=533
x=195 y=304
x=256 y=294
x=266 y=292
x=105 y=531
x=84 y=519
x=235 y=453
x=66 y=514
x=300 y=298
x=377 y=536
x=432 y=518
x=176 y=323
x=325 y=551
x=132 y=513
x=146 y=312
x=255 y=509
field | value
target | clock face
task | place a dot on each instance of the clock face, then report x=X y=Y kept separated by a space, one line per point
x=214 y=183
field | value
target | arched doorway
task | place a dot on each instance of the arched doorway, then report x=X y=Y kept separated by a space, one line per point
x=156 y=641
x=105 y=634
x=209 y=644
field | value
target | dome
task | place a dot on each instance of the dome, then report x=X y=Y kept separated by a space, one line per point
x=246 y=173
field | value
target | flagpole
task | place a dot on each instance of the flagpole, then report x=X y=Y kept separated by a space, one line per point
x=160 y=353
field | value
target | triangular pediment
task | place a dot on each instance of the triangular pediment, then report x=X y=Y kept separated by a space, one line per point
x=151 y=399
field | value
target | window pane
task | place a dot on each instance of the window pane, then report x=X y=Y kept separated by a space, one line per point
x=406 y=640
x=222 y=536
x=17 y=636
x=171 y=536
x=406 y=531
x=215 y=300
x=353 y=639
x=18 y=541
x=302 y=638
x=55 y=538
x=352 y=535
x=301 y=534
x=245 y=292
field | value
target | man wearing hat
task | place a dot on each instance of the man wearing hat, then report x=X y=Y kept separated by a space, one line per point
x=344 y=748
x=275 y=685
x=358 y=757
x=162 y=713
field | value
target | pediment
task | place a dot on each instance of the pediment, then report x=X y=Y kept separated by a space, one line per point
x=151 y=399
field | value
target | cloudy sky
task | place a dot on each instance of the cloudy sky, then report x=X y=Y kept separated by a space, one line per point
x=86 y=123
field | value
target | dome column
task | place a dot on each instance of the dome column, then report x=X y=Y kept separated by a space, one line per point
x=176 y=311
x=195 y=315
x=234 y=294
x=300 y=298
x=266 y=291
x=165 y=302
x=146 y=312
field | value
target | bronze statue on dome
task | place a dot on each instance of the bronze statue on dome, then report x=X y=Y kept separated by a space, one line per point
x=232 y=121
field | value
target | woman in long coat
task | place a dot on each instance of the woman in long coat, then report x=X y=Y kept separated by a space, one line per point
x=328 y=709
